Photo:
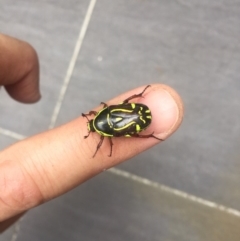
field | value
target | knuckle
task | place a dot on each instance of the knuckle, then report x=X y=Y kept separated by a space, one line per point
x=18 y=190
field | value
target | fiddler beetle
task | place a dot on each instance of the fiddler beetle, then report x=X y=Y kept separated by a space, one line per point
x=125 y=119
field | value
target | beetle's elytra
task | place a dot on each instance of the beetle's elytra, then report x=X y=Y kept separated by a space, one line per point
x=125 y=119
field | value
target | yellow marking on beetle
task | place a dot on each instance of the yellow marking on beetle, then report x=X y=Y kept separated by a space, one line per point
x=140 y=112
x=147 y=111
x=124 y=127
x=127 y=135
x=93 y=125
x=141 y=108
x=108 y=120
x=88 y=126
x=119 y=118
x=133 y=105
x=149 y=117
x=138 y=128
x=124 y=110
x=103 y=134
x=142 y=120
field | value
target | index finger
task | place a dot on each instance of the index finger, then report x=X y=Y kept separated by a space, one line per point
x=45 y=166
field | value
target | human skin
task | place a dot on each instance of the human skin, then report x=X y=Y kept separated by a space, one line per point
x=47 y=165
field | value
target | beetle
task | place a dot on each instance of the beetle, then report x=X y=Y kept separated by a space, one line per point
x=125 y=119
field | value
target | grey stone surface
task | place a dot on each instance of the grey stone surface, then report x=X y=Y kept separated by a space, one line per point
x=8 y=234
x=192 y=46
x=6 y=141
x=110 y=207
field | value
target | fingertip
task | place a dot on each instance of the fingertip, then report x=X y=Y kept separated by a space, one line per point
x=25 y=92
x=19 y=69
x=167 y=110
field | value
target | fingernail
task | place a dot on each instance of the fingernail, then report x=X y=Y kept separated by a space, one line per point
x=165 y=113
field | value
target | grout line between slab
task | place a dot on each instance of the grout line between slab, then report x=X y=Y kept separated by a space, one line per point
x=72 y=63
x=150 y=183
x=16 y=229
x=11 y=134
x=173 y=191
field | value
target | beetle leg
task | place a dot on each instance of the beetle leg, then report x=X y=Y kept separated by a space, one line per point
x=145 y=136
x=136 y=95
x=87 y=135
x=85 y=115
x=92 y=112
x=104 y=104
x=111 y=145
x=99 y=145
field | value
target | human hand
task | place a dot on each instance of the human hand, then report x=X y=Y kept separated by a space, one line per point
x=47 y=165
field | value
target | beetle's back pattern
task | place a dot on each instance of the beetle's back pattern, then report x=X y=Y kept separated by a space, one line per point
x=125 y=119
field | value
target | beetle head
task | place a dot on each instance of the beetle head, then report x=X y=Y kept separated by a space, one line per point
x=90 y=126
